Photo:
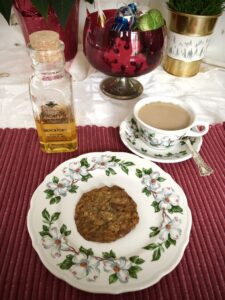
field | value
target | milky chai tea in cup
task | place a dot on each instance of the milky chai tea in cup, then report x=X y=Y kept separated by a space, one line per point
x=163 y=123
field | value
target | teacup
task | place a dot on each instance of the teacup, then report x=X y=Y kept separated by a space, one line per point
x=164 y=121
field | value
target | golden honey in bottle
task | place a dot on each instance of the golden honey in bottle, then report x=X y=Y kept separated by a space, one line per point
x=51 y=93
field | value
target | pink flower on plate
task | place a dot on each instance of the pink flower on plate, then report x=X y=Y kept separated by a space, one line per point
x=119 y=266
x=167 y=198
x=172 y=228
x=75 y=171
x=151 y=181
x=56 y=243
x=60 y=188
x=85 y=267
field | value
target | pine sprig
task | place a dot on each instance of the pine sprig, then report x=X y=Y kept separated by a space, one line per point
x=198 y=7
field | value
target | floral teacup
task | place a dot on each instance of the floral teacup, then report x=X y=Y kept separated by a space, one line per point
x=163 y=138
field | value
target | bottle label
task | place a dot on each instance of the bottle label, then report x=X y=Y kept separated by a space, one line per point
x=185 y=47
x=53 y=113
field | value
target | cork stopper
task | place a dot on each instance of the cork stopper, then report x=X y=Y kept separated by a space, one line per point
x=44 y=40
x=47 y=45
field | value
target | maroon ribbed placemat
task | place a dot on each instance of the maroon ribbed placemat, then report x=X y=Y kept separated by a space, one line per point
x=199 y=275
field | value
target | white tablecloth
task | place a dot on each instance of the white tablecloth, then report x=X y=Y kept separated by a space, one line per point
x=205 y=92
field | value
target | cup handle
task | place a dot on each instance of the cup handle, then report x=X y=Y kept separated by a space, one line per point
x=193 y=133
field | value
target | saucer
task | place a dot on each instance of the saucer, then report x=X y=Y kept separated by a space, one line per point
x=129 y=134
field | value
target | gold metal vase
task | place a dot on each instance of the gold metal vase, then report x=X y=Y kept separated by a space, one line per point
x=188 y=38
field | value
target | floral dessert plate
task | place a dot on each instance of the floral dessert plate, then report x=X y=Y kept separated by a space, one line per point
x=129 y=134
x=136 y=261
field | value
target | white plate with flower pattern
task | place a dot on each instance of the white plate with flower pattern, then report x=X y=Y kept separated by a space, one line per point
x=138 y=260
x=129 y=134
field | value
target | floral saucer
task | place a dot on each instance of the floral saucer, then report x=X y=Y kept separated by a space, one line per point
x=129 y=134
x=136 y=261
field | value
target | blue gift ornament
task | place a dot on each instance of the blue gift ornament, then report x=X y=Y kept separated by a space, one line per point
x=125 y=17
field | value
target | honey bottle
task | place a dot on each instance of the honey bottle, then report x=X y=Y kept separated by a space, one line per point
x=51 y=94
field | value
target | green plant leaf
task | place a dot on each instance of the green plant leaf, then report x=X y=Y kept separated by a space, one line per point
x=113 y=278
x=112 y=171
x=173 y=242
x=68 y=232
x=73 y=189
x=63 y=229
x=154 y=233
x=62 y=9
x=83 y=162
x=86 y=177
x=133 y=271
x=136 y=260
x=161 y=179
x=167 y=244
x=86 y=251
x=55 y=216
x=67 y=263
x=146 y=191
x=110 y=254
x=42 y=7
x=124 y=169
x=138 y=173
x=46 y=215
x=147 y=171
x=156 y=206
x=5 y=8
x=175 y=209
x=49 y=193
x=156 y=254
x=45 y=228
x=128 y=163
x=151 y=246
x=55 y=179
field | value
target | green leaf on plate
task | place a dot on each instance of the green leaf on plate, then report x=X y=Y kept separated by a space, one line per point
x=45 y=214
x=49 y=193
x=151 y=246
x=113 y=278
x=55 y=179
x=161 y=179
x=175 y=209
x=173 y=242
x=86 y=251
x=128 y=163
x=154 y=233
x=67 y=263
x=138 y=173
x=156 y=206
x=146 y=192
x=73 y=189
x=112 y=171
x=124 y=169
x=110 y=254
x=136 y=260
x=84 y=163
x=147 y=171
x=55 y=216
x=156 y=254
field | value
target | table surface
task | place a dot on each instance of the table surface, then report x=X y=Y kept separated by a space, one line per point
x=200 y=273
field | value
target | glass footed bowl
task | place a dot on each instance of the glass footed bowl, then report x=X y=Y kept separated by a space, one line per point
x=121 y=54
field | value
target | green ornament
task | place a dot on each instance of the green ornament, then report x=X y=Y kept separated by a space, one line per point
x=151 y=20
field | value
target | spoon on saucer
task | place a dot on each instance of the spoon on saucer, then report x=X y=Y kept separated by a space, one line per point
x=204 y=169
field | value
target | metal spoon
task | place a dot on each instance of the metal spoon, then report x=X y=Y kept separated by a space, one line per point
x=204 y=169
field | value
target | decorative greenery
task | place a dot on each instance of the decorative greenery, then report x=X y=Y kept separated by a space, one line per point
x=198 y=7
x=62 y=8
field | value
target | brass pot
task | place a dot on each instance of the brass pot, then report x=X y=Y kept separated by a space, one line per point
x=188 y=38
